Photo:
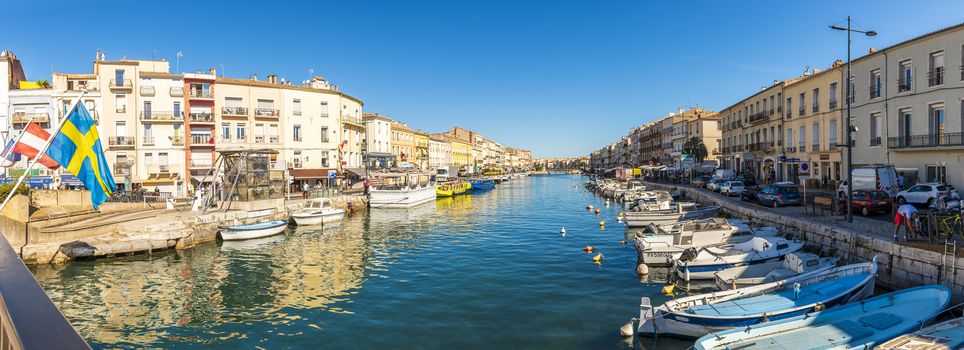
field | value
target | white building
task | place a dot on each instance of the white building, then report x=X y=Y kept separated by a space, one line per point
x=439 y=151
x=378 y=136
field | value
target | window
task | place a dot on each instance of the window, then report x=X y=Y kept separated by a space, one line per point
x=803 y=103
x=324 y=109
x=177 y=110
x=120 y=103
x=242 y=134
x=904 y=126
x=906 y=76
x=764 y=110
x=816 y=100
x=119 y=77
x=226 y=131
x=779 y=102
x=148 y=134
x=789 y=137
x=296 y=110
x=802 y=136
x=259 y=132
x=936 y=126
x=147 y=110
x=148 y=158
x=852 y=90
x=815 y=136
x=162 y=158
x=789 y=107
x=273 y=133
x=935 y=173
x=875 y=131
x=296 y=131
x=324 y=159
x=266 y=108
x=324 y=134
x=935 y=74
x=832 y=95
x=832 y=133
x=772 y=105
x=875 y=83
x=120 y=129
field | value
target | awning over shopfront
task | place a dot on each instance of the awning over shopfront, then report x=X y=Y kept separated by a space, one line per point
x=360 y=172
x=202 y=178
x=309 y=174
x=153 y=182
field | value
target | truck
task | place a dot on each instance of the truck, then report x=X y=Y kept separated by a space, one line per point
x=880 y=177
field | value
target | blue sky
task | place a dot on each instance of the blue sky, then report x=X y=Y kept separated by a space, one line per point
x=561 y=78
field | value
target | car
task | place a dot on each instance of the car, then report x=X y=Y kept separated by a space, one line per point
x=924 y=193
x=779 y=194
x=867 y=202
x=714 y=185
x=700 y=181
x=731 y=187
x=748 y=181
x=749 y=193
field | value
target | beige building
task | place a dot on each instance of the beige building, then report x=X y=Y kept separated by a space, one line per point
x=421 y=141
x=403 y=143
x=812 y=126
x=753 y=134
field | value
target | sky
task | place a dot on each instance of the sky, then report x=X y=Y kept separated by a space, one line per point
x=561 y=78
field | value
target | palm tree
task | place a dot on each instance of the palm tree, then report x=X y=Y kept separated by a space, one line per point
x=694 y=146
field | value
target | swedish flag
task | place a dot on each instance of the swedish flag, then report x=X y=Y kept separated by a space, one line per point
x=77 y=147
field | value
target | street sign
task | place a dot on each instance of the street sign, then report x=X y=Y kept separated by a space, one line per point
x=332 y=174
x=805 y=167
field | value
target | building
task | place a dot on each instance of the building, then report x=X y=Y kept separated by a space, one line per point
x=203 y=128
x=462 y=155
x=440 y=151
x=352 y=133
x=378 y=136
x=421 y=141
x=812 y=124
x=161 y=132
x=310 y=136
x=403 y=143
x=753 y=136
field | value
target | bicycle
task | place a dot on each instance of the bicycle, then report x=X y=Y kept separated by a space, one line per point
x=949 y=223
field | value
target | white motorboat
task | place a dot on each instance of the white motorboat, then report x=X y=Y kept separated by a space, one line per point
x=258 y=230
x=683 y=211
x=316 y=212
x=657 y=244
x=702 y=263
x=400 y=189
x=751 y=275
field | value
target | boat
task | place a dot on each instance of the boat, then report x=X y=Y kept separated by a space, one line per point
x=400 y=189
x=947 y=335
x=258 y=230
x=252 y=244
x=696 y=315
x=859 y=325
x=682 y=212
x=702 y=263
x=482 y=184
x=460 y=187
x=656 y=244
x=444 y=190
x=751 y=275
x=316 y=212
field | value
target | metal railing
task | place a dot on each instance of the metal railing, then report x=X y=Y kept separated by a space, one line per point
x=758 y=117
x=201 y=94
x=790 y=149
x=802 y=148
x=162 y=115
x=875 y=141
x=273 y=139
x=122 y=168
x=28 y=318
x=903 y=84
x=874 y=91
x=814 y=147
x=202 y=163
x=802 y=111
x=927 y=140
x=23 y=118
x=81 y=85
x=177 y=91
x=833 y=104
x=265 y=112
x=148 y=141
x=816 y=108
x=202 y=140
x=206 y=117
x=234 y=111
x=935 y=76
x=258 y=139
x=123 y=83
x=833 y=144
x=177 y=141
x=121 y=141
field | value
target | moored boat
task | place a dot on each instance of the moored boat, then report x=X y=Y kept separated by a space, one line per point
x=400 y=189
x=656 y=245
x=947 y=335
x=482 y=184
x=751 y=275
x=696 y=315
x=258 y=230
x=682 y=212
x=702 y=263
x=316 y=212
x=859 y=325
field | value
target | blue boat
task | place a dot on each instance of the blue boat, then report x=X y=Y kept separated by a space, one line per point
x=696 y=315
x=482 y=184
x=860 y=325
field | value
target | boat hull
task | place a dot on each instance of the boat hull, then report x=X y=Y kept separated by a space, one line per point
x=406 y=198
x=309 y=219
x=237 y=233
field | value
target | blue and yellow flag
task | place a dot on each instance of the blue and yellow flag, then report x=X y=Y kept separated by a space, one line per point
x=77 y=147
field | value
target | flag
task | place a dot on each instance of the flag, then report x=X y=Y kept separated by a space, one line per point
x=77 y=147
x=9 y=157
x=33 y=140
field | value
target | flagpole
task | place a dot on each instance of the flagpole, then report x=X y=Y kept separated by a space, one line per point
x=42 y=152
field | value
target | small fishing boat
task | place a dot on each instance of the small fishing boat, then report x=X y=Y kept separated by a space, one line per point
x=751 y=275
x=656 y=245
x=682 y=212
x=696 y=315
x=316 y=212
x=947 y=335
x=859 y=325
x=702 y=263
x=258 y=230
x=482 y=184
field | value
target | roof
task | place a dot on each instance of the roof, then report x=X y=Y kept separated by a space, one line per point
x=261 y=83
x=440 y=137
x=911 y=40
x=161 y=75
x=376 y=116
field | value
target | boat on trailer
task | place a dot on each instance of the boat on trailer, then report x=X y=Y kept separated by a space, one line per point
x=696 y=315
x=258 y=230
x=316 y=212
x=859 y=325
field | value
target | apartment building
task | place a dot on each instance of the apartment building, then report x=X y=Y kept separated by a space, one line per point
x=378 y=136
x=403 y=143
x=310 y=135
x=813 y=127
x=421 y=142
x=352 y=135
x=753 y=134
x=462 y=157
x=160 y=133
x=201 y=131
x=439 y=151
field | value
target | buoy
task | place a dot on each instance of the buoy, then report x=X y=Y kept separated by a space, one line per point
x=642 y=269
x=589 y=207
x=620 y=214
x=602 y=224
x=619 y=219
x=597 y=211
x=587 y=249
x=598 y=258
x=668 y=289
x=627 y=330
x=563 y=231
x=623 y=242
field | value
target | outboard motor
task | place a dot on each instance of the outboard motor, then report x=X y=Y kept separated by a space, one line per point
x=688 y=255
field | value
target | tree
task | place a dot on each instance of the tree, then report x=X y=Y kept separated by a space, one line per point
x=695 y=147
x=43 y=84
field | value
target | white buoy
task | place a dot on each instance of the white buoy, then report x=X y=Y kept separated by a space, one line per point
x=619 y=219
x=642 y=269
x=563 y=231
x=627 y=330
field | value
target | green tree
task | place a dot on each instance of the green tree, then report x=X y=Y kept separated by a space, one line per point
x=695 y=147
x=43 y=84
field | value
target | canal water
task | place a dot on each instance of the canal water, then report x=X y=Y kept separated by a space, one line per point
x=483 y=271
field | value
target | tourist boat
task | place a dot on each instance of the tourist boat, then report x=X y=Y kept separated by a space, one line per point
x=696 y=315
x=947 y=335
x=460 y=187
x=258 y=230
x=400 y=189
x=751 y=275
x=854 y=326
x=657 y=244
x=482 y=184
x=702 y=263
x=316 y=212
x=444 y=190
x=682 y=212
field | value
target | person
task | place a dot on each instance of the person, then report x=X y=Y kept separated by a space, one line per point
x=900 y=181
x=366 y=187
x=304 y=190
x=907 y=217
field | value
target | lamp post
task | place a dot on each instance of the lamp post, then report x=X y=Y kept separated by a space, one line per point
x=849 y=128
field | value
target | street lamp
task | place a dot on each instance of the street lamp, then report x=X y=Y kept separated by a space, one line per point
x=849 y=128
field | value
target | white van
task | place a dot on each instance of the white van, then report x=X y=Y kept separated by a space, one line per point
x=442 y=174
x=883 y=178
x=724 y=174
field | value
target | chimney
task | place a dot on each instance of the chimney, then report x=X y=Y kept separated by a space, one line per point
x=873 y=51
x=837 y=62
x=254 y=77
x=213 y=71
x=272 y=78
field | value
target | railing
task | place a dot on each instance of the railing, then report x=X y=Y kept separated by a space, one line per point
x=147 y=90
x=148 y=141
x=758 y=117
x=201 y=94
x=802 y=148
x=177 y=91
x=177 y=141
x=816 y=108
x=780 y=109
x=87 y=85
x=833 y=104
x=265 y=112
x=120 y=141
x=935 y=76
x=789 y=114
x=802 y=111
x=122 y=168
x=162 y=115
x=273 y=139
x=814 y=147
x=204 y=117
x=790 y=149
x=927 y=140
x=903 y=84
x=234 y=111
x=202 y=140
x=295 y=165
x=351 y=119
x=833 y=144
x=122 y=84
x=874 y=91
x=875 y=141
x=771 y=111
x=258 y=139
x=202 y=163
x=23 y=118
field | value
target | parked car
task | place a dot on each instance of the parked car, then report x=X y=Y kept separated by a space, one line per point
x=872 y=201
x=714 y=185
x=748 y=181
x=924 y=193
x=779 y=194
x=881 y=178
x=730 y=188
x=749 y=193
x=700 y=181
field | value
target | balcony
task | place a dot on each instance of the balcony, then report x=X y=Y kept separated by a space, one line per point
x=802 y=148
x=274 y=139
x=759 y=117
x=779 y=109
x=147 y=141
x=201 y=163
x=903 y=84
x=816 y=108
x=832 y=145
x=833 y=104
x=82 y=85
x=295 y=165
x=162 y=116
x=875 y=141
x=24 y=118
x=258 y=139
x=802 y=111
x=201 y=95
x=927 y=140
x=177 y=91
x=147 y=90
x=234 y=111
x=265 y=112
x=875 y=91
x=122 y=168
x=202 y=117
x=352 y=120
x=123 y=84
x=177 y=140
x=771 y=111
x=121 y=141
x=202 y=140
x=815 y=147
x=935 y=76
x=789 y=114
x=789 y=149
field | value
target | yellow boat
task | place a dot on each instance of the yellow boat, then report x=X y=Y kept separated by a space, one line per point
x=460 y=187
x=444 y=190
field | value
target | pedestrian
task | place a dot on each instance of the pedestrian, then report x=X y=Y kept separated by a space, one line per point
x=304 y=190
x=908 y=217
x=900 y=181
x=366 y=187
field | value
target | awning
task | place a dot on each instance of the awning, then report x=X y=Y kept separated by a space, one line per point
x=198 y=178
x=360 y=172
x=158 y=181
x=379 y=155
x=306 y=174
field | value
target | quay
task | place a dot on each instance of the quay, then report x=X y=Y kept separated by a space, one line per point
x=901 y=265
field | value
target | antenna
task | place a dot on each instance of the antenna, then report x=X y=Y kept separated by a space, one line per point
x=177 y=64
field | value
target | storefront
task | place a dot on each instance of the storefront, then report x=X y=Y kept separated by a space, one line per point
x=314 y=178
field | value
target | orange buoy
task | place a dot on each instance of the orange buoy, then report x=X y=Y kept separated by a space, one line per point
x=587 y=249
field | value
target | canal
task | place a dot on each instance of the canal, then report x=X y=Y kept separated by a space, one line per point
x=483 y=271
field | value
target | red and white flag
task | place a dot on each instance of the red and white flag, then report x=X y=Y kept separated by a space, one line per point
x=33 y=140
